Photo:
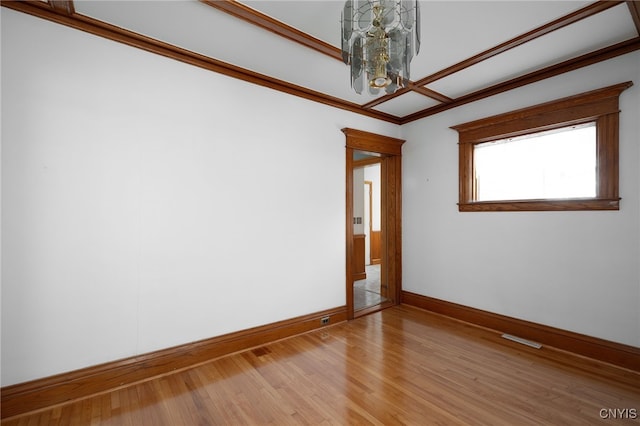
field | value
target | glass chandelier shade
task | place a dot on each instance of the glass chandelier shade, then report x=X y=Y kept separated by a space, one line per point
x=379 y=38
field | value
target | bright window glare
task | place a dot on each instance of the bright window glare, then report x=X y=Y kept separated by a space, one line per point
x=554 y=164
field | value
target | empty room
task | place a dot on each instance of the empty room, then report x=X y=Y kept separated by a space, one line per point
x=320 y=212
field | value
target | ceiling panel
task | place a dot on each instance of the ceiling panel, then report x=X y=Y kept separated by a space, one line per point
x=406 y=104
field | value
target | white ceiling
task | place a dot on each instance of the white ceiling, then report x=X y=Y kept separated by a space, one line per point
x=452 y=31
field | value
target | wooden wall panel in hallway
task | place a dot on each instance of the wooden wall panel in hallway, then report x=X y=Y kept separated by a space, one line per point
x=398 y=366
x=376 y=241
x=359 y=257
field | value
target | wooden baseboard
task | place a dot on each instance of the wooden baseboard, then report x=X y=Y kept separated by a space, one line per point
x=29 y=396
x=592 y=347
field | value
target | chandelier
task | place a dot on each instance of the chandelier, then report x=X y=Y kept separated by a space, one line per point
x=378 y=42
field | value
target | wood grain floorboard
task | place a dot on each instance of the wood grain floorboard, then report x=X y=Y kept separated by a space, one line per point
x=399 y=366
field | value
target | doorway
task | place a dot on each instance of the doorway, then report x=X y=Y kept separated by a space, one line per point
x=362 y=150
x=369 y=289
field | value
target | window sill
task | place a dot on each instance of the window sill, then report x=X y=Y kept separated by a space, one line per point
x=571 y=204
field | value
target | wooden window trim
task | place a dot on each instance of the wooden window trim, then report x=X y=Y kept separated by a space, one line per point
x=599 y=106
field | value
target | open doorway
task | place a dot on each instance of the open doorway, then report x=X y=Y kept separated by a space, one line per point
x=369 y=289
x=365 y=150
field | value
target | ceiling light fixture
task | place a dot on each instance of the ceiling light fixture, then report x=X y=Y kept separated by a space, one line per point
x=378 y=41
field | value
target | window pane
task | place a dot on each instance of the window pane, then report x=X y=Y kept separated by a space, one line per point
x=554 y=164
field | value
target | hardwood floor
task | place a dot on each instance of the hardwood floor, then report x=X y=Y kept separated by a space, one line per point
x=398 y=366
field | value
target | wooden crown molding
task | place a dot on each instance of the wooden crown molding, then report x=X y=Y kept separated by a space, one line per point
x=634 y=9
x=266 y=22
x=63 y=6
x=37 y=394
x=602 y=350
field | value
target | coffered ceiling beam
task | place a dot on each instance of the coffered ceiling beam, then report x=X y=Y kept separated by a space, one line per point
x=266 y=22
x=64 y=6
x=411 y=87
x=430 y=93
x=382 y=99
x=542 y=74
x=634 y=9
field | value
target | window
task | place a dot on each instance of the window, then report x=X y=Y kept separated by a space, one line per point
x=553 y=164
x=561 y=155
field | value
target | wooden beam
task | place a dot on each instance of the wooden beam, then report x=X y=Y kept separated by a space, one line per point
x=268 y=23
x=634 y=9
x=430 y=93
x=411 y=87
x=64 y=6
x=385 y=98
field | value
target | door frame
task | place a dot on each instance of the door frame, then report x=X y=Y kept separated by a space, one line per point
x=390 y=150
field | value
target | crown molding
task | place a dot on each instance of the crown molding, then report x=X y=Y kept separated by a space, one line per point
x=268 y=23
x=634 y=9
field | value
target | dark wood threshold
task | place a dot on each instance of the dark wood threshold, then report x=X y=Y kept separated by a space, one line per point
x=599 y=349
x=41 y=393
x=371 y=309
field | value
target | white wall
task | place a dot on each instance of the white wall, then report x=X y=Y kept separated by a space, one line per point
x=358 y=200
x=372 y=174
x=148 y=203
x=573 y=270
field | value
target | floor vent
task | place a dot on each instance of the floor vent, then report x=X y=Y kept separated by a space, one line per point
x=522 y=341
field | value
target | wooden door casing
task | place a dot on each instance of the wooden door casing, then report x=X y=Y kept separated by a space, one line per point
x=391 y=211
